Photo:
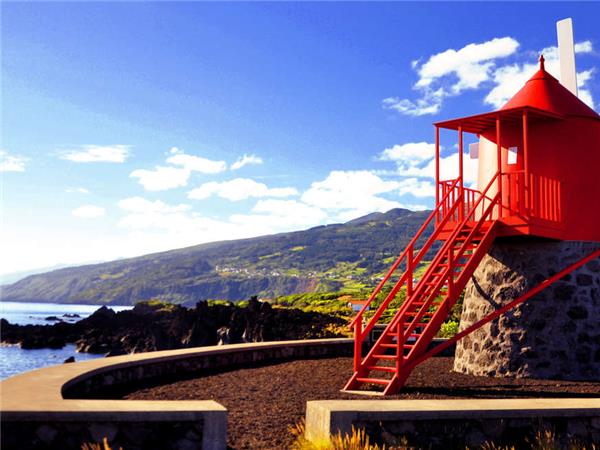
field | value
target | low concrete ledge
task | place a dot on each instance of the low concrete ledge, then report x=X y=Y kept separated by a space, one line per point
x=126 y=424
x=50 y=407
x=455 y=423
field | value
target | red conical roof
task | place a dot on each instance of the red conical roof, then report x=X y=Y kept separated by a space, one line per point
x=543 y=91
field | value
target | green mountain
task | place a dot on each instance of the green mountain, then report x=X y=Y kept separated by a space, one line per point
x=349 y=257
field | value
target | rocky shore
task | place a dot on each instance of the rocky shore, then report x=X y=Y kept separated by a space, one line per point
x=151 y=326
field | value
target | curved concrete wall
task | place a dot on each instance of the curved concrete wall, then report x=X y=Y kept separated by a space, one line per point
x=52 y=407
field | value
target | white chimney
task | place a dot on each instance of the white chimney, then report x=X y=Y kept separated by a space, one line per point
x=566 y=52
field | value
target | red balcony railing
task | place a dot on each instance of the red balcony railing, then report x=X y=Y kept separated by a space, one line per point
x=540 y=198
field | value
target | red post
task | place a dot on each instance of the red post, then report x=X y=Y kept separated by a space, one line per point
x=357 y=344
x=499 y=155
x=399 y=347
x=437 y=171
x=450 y=270
x=409 y=270
x=460 y=174
x=526 y=163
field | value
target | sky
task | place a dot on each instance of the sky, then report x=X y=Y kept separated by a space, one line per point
x=131 y=128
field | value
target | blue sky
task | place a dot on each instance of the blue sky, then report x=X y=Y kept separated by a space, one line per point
x=129 y=128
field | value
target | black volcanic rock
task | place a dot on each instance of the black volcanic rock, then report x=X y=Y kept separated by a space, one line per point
x=153 y=326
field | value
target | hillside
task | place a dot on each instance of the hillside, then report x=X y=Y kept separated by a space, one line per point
x=348 y=257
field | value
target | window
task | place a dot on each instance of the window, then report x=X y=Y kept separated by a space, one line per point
x=474 y=150
x=512 y=155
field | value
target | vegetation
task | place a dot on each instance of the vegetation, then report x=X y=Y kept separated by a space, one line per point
x=95 y=446
x=359 y=440
x=448 y=329
x=336 y=304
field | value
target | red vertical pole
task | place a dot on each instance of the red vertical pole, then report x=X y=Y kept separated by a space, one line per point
x=451 y=270
x=409 y=270
x=526 y=162
x=460 y=174
x=357 y=344
x=399 y=347
x=499 y=156
x=437 y=171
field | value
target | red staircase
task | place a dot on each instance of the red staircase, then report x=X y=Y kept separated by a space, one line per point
x=464 y=219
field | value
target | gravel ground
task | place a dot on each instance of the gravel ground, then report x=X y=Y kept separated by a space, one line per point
x=263 y=401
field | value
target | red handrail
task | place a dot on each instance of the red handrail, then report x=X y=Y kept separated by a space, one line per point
x=434 y=264
x=445 y=248
x=410 y=246
x=448 y=273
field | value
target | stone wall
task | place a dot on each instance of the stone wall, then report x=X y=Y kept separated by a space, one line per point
x=115 y=381
x=475 y=433
x=459 y=423
x=66 y=405
x=126 y=435
x=553 y=335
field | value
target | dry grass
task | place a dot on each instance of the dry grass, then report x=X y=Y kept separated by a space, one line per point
x=95 y=446
x=358 y=440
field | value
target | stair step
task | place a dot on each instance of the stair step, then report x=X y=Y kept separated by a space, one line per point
x=423 y=303
x=390 y=357
x=382 y=368
x=446 y=265
x=373 y=381
x=405 y=346
x=388 y=345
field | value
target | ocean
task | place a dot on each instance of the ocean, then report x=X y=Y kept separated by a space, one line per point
x=14 y=360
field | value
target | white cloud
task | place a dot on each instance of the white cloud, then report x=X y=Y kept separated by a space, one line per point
x=509 y=79
x=179 y=226
x=274 y=215
x=429 y=103
x=142 y=205
x=416 y=187
x=98 y=153
x=146 y=214
x=161 y=178
x=245 y=161
x=77 y=190
x=239 y=189
x=448 y=169
x=409 y=154
x=450 y=73
x=471 y=64
x=351 y=190
x=195 y=163
x=475 y=66
x=584 y=47
x=11 y=163
x=416 y=160
x=88 y=212
x=178 y=173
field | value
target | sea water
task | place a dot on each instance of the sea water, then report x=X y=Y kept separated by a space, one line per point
x=14 y=360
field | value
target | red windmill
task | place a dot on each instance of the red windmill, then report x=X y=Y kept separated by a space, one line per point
x=539 y=157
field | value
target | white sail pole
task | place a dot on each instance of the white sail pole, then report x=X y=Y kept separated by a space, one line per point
x=566 y=52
